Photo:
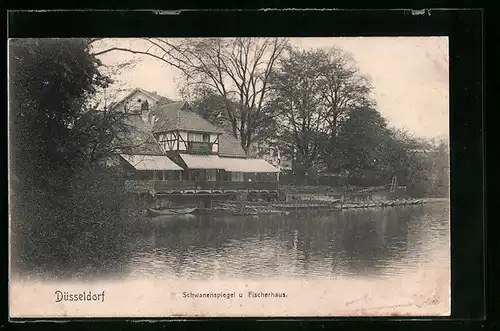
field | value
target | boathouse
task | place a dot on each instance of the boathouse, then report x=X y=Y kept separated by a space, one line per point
x=173 y=150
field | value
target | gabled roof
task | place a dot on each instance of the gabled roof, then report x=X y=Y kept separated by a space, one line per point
x=152 y=95
x=155 y=96
x=177 y=116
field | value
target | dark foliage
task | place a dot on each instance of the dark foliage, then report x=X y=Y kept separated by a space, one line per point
x=68 y=209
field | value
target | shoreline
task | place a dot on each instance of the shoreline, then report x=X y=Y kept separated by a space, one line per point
x=287 y=207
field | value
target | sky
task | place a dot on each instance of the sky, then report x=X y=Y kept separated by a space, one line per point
x=410 y=76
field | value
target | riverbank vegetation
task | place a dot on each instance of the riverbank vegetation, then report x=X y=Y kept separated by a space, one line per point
x=65 y=202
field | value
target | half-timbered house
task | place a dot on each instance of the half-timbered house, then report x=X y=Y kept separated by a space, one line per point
x=178 y=151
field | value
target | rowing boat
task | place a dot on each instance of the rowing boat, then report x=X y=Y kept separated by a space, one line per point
x=181 y=210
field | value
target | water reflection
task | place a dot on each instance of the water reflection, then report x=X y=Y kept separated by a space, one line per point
x=356 y=243
x=51 y=253
x=361 y=243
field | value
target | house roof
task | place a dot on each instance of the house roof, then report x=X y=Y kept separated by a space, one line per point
x=176 y=116
x=227 y=163
x=153 y=95
x=139 y=139
x=247 y=165
x=150 y=162
x=202 y=161
x=230 y=146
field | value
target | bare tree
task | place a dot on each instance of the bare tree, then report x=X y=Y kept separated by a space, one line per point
x=237 y=69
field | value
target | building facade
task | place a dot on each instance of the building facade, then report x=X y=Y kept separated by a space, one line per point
x=173 y=150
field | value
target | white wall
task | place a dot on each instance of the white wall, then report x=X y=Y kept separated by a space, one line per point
x=132 y=102
x=215 y=147
x=182 y=145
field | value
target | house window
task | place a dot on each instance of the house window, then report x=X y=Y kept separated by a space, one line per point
x=206 y=138
x=236 y=176
x=145 y=105
x=211 y=175
x=197 y=137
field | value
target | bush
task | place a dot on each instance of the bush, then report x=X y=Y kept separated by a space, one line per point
x=86 y=229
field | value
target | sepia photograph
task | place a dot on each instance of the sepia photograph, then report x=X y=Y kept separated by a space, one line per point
x=229 y=177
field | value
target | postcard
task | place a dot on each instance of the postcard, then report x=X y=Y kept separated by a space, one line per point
x=229 y=177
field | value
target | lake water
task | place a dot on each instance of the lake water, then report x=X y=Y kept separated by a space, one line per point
x=357 y=243
x=357 y=262
x=376 y=243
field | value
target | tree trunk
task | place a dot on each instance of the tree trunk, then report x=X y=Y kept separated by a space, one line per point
x=300 y=175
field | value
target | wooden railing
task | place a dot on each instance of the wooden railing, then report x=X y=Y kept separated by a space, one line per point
x=165 y=185
x=198 y=147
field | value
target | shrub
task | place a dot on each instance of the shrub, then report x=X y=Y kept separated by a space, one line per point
x=86 y=229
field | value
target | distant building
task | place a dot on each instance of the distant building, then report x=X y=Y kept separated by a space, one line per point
x=174 y=150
